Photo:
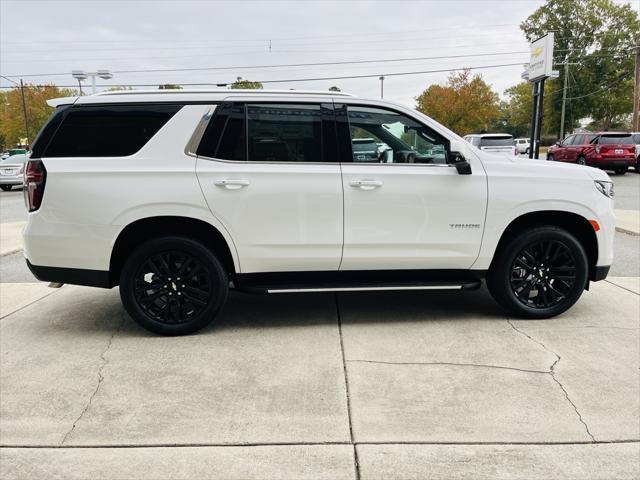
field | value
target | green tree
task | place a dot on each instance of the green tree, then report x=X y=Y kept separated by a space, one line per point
x=169 y=86
x=596 y=37
x=516 y=109
x=466 y=104
x=248 y=84
x=38 y=111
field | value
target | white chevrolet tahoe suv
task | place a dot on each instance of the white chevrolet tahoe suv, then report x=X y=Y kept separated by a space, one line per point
x=178 y=196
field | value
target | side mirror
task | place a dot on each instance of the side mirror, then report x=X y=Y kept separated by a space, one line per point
x=456 y=157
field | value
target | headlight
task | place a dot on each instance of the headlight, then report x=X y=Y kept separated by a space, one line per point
x=606 y=188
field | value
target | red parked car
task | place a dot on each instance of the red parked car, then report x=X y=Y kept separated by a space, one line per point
x=605 y=150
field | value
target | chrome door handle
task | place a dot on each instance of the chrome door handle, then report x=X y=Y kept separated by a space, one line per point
x=366 y=184
x=232 y=184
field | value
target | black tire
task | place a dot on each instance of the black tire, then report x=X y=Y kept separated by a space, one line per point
x=152 y=291
x=620 y=171
x=582 y=160
x=550 y=157
x=638 y=165
x=519 y=269
x=6 y=188
x=526 y=152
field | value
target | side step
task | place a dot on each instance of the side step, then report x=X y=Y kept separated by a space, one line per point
x=366 y=288
x=358 y=281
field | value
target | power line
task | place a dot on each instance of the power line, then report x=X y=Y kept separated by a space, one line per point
x=287 y=65
x=341 y=77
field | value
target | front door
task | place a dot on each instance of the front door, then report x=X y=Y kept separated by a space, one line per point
x=408 y=209
x=269 y=173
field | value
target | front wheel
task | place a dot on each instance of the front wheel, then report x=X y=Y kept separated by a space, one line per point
x=621 y=171
x=550 y=157
x=5 y=188
x=582 y=161
x=173 y=285
x=539 y=273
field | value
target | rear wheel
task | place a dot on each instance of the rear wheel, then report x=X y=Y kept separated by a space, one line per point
x=620 y=171
x=638 y=164
x=540 y=273
x=6 y=188
x=173 y=285
x=582 y=160
x=550 y=157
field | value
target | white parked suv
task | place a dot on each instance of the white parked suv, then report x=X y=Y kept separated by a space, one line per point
x=177 y=196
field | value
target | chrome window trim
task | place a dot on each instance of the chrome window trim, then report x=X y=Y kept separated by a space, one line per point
x=192 y=145
x=253 y=162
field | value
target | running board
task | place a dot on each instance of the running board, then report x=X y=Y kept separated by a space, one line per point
x=310 y=288
x=372 y=289
x=357 y=281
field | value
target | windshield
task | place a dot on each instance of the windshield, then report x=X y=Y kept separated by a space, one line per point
x=616 y=139
x=497 y=142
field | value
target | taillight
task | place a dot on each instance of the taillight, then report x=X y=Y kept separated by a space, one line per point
x=35 y=176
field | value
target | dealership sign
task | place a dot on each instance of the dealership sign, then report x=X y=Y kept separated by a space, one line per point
x=541 y=61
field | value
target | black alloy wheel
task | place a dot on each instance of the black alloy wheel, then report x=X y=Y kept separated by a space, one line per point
x=5 y=188
x=539 y=273
x=543 y=273
x=173 y=285
x=582 y=160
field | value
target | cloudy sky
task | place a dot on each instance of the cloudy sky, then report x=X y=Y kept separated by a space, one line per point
x=53 y=37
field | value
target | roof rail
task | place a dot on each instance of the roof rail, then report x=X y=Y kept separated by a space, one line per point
x=222 y=90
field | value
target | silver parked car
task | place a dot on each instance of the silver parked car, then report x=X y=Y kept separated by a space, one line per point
x=11 y=171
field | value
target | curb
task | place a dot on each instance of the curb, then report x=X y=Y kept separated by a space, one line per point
x=628 y=232
x=9 y=252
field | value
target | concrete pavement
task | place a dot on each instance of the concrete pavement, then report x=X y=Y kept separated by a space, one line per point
x=404 y=384
x=10 y=237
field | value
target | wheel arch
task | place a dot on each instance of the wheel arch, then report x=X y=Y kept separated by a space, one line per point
x=145 y=229
x=574 y=223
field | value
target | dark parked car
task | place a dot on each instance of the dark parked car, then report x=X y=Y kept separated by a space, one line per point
x=605 y=150
x=365 y=150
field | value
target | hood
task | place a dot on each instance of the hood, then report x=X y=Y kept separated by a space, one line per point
x=558 y=169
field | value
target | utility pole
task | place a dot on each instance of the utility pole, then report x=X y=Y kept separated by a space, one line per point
x=381 y=87
x=24 y=110
x=636 y=91
x=564 y=95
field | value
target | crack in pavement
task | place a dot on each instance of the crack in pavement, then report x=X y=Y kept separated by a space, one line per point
x=103 y=364
x=553 y=375
x=356 y=461
x=454 y=364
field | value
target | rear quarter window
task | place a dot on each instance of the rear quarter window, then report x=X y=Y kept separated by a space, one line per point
x=108 y=130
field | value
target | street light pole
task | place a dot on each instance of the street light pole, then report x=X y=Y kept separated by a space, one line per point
x=82 y=75
x=24 y=109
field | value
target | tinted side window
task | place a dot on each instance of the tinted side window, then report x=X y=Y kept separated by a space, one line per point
x=46 y=133
x=108 y=130
x=578 y=140
x=232 y=144
x=568 y=140
x=284 y=133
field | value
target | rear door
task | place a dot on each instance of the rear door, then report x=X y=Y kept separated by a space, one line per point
x=574 y=149
x=270 y=174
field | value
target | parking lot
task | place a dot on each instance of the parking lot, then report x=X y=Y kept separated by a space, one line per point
x=393 y=385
